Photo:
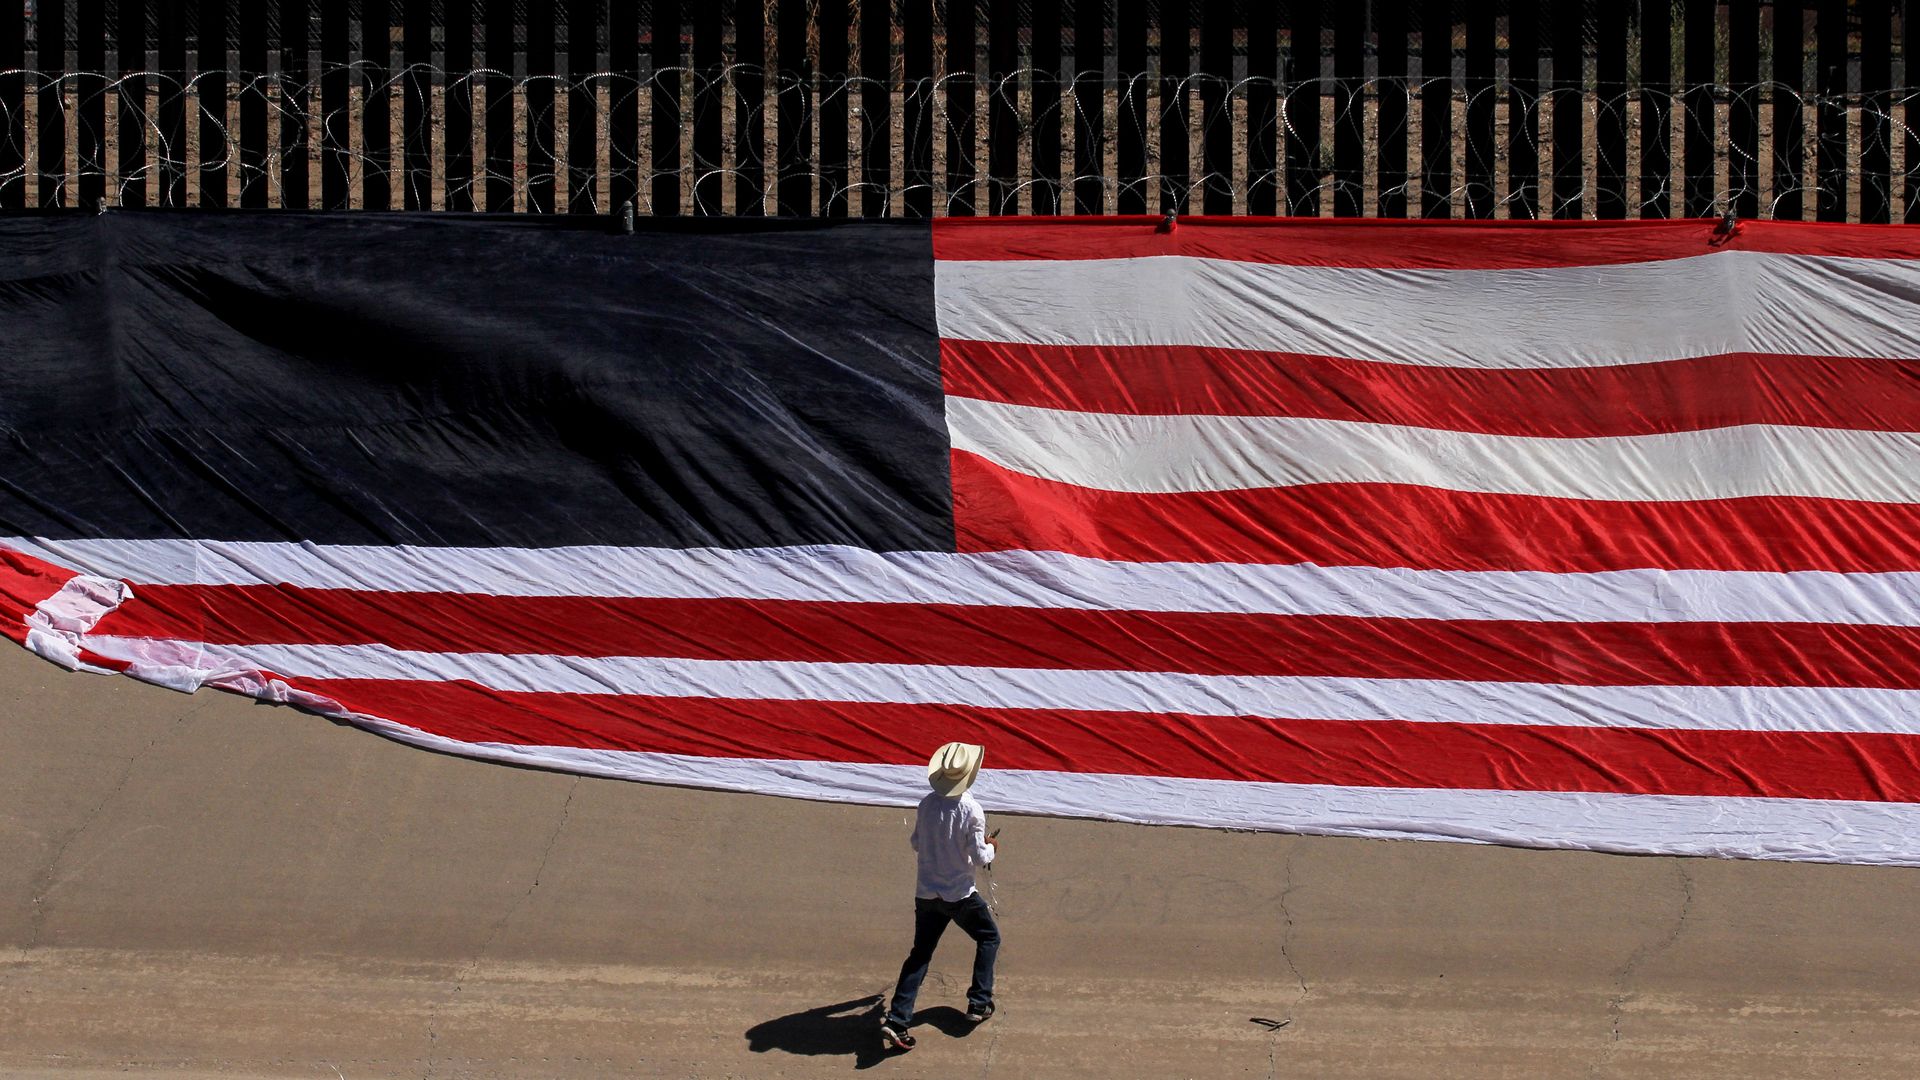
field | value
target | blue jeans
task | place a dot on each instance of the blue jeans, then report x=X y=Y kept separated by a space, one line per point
x=930 y=919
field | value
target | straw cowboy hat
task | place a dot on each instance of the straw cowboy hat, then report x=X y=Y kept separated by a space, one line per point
x=954 y=767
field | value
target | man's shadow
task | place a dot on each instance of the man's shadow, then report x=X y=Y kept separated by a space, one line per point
x=847 y=1028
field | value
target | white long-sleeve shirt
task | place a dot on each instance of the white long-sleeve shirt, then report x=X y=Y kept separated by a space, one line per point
x=950 y=836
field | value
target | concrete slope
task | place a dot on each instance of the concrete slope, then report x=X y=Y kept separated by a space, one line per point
x=199 y=886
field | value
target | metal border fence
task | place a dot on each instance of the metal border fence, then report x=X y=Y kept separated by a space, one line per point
x=1468 y=108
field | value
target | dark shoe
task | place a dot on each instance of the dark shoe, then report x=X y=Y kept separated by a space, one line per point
x=980 y=1014
x=895 y=1038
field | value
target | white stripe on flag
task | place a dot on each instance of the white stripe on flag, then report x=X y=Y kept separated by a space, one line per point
x=1810 y=830
x=1151 y=454
x=1009 y=579
x=1555 y=317
x=1709 y=708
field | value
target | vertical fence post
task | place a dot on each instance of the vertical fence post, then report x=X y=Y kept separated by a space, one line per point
x=1523 y=111
x=131 y=89
x=334 y=132
x=13 y=116
x=1304 y=166
x=172 y=56
x=1090 y=105
x=623 y=103
x=1003 y=102
x=50 y=27
x=457 y=89
x=1130 y=64
x=1350 y=110
x=1044 y=70
x=1610 y=124
x=1743 y=107
x=962 y=120
x=1436 y=109
x=1876 y=77
x=1656 y=108
x=1697 y=146
x=1569 y=107
x=253 y=105
x=499 y=86
x=916 y=58
x=416 y=112
x=1830 y=132
x=211 y=85
x=583 y=106
x=1789 y=121
x=216 y=135
x=90 y=86
x=832 y=22
x=750 y=108
x=792 y=157
x=663 y=99
x=1391 y=95
x=296 y=106
x=1480 y=137
x=376 y=104
x=709 y=84
x=1910 y=111
x=542 y=161
x=1176 y=59
x=1216 y=115
x=876 y=121
x=1263 y=116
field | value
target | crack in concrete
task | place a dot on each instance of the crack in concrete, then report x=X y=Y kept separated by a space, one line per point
x=1287 y=886
x=1647 y=950
x=499 y=926
x=1276 y=1027
x=48 y=878
x=991 y=1046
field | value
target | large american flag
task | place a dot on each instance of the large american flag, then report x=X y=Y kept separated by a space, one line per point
x=1587 y=535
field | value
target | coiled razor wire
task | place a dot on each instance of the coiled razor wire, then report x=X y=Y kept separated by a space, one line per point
x=156 y=169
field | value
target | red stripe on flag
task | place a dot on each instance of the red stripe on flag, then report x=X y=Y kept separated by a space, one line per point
x=24 y=582
x=1634 y=399
x=1347 y=753
x=1394 y=525
x=1413 y=245
x=1208 y=643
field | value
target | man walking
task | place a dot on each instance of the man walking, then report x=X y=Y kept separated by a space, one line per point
x=950 y=836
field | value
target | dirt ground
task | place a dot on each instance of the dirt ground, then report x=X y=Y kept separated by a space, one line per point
x=204 y=887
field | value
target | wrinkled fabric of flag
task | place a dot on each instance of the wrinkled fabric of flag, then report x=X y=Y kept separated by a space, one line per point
x=1595 y=535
